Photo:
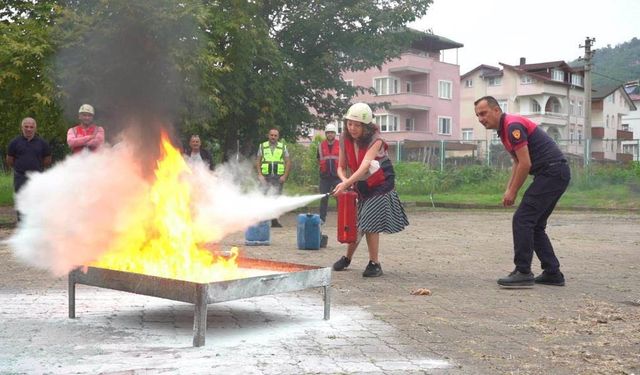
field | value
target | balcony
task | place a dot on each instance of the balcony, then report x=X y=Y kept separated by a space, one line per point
x=624 y=135
x=597 y=132
x=409 y=101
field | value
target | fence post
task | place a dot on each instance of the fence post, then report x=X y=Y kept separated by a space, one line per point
x=488 y=152
x=442 y=155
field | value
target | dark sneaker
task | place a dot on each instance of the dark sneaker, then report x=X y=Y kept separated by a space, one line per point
x=517 y=279
x=341 y=264
x=373 y=270
x=275 y=224
x=546 y=278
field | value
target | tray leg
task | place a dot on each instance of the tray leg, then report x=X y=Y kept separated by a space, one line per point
x=327 y=302
x=72 y=295
x=200 y=316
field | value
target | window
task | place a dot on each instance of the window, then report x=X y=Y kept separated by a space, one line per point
x=503 y=105
x=468 y=83
x=579 y=136
x=625 y=127
x=580 y=113
x=572 y=107
x=571 y=136
x=409 y=86
x=387 y=123
x=467 y=134
x=385 y=85
x=557 y=75
x=444 y=125
x=495 y=81
x=348 y=82
x=409 y=124
x=535 y=107
x=444 y=89
x=525 y=79
x=607 y=123
x=577 y=80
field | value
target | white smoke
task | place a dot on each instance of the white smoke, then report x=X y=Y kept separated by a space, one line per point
x=72 y=212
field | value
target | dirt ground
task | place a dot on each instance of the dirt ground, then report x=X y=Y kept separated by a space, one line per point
x=590 y=326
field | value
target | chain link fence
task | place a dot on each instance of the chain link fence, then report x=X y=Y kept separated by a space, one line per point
x=443 y=155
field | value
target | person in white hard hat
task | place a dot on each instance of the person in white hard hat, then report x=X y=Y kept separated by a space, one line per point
x=364 y=153
x=328 y=154
x=85 y=135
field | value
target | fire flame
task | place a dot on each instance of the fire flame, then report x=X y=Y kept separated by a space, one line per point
x=160 y=239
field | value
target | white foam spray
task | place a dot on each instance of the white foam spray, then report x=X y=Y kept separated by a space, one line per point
x=72 y=212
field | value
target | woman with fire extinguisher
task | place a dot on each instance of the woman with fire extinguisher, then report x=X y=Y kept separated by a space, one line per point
x=364 y=153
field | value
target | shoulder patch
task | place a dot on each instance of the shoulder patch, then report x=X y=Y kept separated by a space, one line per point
x=516 y=134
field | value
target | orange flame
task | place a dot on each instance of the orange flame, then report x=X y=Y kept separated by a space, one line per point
x=159 y=238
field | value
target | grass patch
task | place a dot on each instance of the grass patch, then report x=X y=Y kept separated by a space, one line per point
x=6 y=189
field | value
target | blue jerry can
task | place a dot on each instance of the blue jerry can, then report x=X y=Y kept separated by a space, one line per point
x=309 y=234
x=258 y=235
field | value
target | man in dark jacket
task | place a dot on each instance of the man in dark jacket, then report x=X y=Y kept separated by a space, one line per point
x=27 y=153
x=533 y=152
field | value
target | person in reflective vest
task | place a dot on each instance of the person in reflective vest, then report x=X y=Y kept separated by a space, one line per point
x=535 y=153
x=363 y=153
x=86 y=135
x=273 y=165
x=328 y=153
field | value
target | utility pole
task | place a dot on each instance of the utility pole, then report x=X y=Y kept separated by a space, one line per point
x=588 y=55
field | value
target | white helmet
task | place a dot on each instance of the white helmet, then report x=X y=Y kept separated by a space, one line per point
x=330 y=128
x=360 y=112
x=86 y=108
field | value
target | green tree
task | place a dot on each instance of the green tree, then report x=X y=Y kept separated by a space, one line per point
x=282 y=57
x=26 y=87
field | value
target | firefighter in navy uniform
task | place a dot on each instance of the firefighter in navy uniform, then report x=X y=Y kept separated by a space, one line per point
x=273 y=165
x=328 y=153
x=533 y=152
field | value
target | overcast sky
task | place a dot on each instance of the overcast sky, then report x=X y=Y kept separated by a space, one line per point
x=494 y=31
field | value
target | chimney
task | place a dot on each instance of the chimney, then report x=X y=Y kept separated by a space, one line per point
x=523 y=60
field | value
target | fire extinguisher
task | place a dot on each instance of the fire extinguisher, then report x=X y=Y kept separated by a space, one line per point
x=347 y=224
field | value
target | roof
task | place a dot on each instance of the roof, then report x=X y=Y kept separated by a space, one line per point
x=545 y=65
x=519 y=69
x=601 y=92
x=432 y=42
x=482 y=68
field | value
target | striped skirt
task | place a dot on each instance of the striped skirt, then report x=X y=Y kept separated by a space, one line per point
x=381 y=214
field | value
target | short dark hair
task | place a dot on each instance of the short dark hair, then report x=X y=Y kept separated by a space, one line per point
x=491 y=101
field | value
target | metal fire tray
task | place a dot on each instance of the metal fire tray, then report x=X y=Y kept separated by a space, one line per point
x=287 y=277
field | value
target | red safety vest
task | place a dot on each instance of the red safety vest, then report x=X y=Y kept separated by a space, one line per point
x=326 y=155
x=81 y=131
x=375 y=179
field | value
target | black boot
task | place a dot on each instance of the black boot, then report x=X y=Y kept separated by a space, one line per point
x=517 y=279
x=546 y=278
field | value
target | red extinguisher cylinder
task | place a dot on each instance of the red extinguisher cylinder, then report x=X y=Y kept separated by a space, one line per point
x=347 y=220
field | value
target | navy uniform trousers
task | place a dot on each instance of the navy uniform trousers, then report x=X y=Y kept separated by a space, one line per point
x=530 y=219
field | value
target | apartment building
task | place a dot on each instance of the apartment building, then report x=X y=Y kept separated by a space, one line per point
x=609 y=104
x=631 y=121
x=551 y=94
x=417 y=97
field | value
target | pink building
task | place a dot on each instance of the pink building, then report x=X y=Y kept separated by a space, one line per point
x=420 y=95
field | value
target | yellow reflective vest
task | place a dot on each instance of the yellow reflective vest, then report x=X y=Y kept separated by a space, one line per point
x=272 y=161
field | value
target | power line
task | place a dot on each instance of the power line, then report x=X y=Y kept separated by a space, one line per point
x=605 y=76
